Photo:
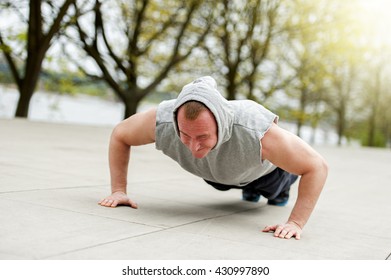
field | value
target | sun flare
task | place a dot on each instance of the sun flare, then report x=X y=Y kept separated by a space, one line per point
x=375 y=20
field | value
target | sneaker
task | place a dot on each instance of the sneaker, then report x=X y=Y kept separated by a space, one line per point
x=249 y=195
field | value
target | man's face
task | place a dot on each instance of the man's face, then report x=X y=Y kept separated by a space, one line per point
x=199 y=135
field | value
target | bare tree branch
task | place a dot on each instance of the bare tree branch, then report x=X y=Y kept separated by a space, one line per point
x=7 y=53
x=93 y=51
x=56 y=24
x=99 y=25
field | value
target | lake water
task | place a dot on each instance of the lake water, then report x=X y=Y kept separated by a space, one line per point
x=88 y=110
x=80 y=109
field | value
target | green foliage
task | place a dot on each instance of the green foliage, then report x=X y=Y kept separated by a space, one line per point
x=380 y=140
x=359 y=130
x=72 y=84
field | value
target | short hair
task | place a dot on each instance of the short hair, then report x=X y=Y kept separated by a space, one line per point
x=193 y=109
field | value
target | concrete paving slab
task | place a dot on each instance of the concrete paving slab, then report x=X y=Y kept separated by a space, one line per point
x=154 y=211
x=53 y=175
x=174 y=244
x=227 y=242
x=37 y=232
x=51 y=156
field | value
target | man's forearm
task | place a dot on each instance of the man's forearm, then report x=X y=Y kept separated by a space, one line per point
x=310 y=187
x=119 y=154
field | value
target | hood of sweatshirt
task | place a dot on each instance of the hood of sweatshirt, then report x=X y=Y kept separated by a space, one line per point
x=204 y=90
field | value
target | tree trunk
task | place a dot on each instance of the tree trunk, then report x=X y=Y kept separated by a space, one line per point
x=37 y=44
x=28 y=84
x=130 y=109
x=374 y=111
x=231 y=87
x=131 y=102
x=341 y=125
x=299 y=125
x=301 y=116
x=372 y=129
x=22 y=109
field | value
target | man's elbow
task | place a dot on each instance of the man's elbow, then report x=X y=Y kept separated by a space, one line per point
x=118 y=133
x=322 y=167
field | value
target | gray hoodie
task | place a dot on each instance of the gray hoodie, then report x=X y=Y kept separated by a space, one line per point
x=236 y=159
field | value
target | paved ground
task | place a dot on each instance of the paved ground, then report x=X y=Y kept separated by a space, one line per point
x=51 y=177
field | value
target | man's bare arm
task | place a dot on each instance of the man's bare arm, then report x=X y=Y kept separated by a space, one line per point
x=136 y=130
x=292 y=154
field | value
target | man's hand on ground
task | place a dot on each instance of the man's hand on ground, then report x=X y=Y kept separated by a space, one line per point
x=286 y=231
x=117 y=198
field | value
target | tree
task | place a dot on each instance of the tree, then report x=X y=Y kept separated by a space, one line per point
x=240 y=43
x=44 y=22
x=139 y=42
x=377 y=97
x=305 y=50
x=349 y=96
x=375 y=76
x=307 y=87
x=325 y=57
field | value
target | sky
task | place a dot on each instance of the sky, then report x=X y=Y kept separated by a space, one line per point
x=375 y=17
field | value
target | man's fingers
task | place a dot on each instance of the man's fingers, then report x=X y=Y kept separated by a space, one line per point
x=277 y=230
x=108 y=202
x=289 y=235
x=269 y=228
x=111 y=202
x=133 y=204
x=283 y=231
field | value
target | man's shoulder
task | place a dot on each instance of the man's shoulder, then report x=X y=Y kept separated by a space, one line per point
x=252 y=114
x=164 y=111
x=245 y=104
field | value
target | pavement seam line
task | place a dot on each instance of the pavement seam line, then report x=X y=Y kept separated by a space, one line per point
x=52 y=189
x=215 y=217
x=152 y=232
x=88 y=214
x=102 y=244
